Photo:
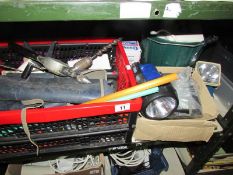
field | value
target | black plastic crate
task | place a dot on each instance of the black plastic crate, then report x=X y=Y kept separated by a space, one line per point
x=10 y=152
x=65 y=136
x=67 y=128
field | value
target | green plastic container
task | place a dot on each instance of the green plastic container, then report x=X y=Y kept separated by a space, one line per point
x=161 y=52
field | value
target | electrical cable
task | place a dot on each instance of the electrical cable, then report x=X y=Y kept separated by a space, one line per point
x=83 y=164
x=129 y=163
x=123 y=154
x=77 y=164
x=136 y=158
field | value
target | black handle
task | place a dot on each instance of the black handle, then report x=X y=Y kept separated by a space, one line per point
x=27 y=71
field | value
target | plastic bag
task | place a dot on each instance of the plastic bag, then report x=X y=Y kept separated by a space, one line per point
x=187 y=92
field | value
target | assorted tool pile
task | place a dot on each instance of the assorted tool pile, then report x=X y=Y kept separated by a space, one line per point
x=61 y=120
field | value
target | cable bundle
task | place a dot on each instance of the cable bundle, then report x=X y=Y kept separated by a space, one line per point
x=130 y=158
x=75 y=164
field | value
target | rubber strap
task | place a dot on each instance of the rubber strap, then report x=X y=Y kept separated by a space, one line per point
x=36 y=103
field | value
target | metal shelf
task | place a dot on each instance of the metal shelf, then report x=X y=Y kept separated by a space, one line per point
x=61 y=10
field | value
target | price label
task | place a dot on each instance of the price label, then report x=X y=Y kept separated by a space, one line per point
x=122 y=107
x=128 y=67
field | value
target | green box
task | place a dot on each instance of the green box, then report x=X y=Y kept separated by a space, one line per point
x=161 y=52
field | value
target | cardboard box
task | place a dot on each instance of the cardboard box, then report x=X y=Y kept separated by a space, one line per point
x=132 y=50
x=182 y=130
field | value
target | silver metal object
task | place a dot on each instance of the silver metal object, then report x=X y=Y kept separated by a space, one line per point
x=54 y=66
x=60 y=68
x=82 y=65
x=210 y=72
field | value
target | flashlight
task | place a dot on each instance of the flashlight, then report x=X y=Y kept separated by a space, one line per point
x=160 y=105
x=209 y=72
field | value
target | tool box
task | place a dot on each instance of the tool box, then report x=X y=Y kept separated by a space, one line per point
x=76 y=127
